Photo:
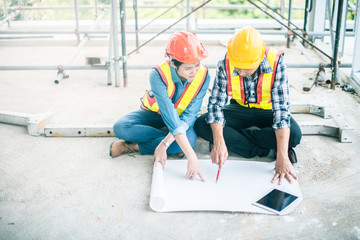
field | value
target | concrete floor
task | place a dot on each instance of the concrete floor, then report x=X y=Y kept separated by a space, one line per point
x=68 y=188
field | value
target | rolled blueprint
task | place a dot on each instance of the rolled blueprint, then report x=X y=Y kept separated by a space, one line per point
x=157 y=195
x=240 y=185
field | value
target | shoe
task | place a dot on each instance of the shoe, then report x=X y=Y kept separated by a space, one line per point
x=121 y=147
x=292 y=155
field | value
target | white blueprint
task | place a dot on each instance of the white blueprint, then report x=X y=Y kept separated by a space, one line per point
x=240 y=184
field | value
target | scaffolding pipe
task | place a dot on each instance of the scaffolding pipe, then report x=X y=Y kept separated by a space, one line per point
x=356 y=17
x=123 y=40
x=199 y=31
x=115 y=42
x=110 y=61
x=305 y=20
x=76 y=9
x=105 y=67
x=96 y=9
x=289 y=14
x=224 y=7
x=310 y=58
x=164 y=30
x=167 y=10
x=321 y=51
x=5 y=13
x=330 y=23
x=187 y=13
x=9 y=17
x=289 y=22
x=136 y=23
x=85 y=39
x=343 y=28
x=334 y=77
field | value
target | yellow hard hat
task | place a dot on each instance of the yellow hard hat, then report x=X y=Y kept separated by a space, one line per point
x=246 y=48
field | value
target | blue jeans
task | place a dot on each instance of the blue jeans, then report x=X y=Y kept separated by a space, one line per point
x=146 y=128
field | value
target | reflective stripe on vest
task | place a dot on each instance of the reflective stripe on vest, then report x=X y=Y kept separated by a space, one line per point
x=235 y=84
x=189 y=93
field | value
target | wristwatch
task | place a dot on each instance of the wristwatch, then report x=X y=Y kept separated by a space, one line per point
x=167 y=144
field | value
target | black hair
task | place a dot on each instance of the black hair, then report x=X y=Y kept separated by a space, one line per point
x=176 y=63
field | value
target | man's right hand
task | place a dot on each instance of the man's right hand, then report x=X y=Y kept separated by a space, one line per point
x=219 y=153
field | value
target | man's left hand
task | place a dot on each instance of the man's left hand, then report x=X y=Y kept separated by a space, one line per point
x=283 y=169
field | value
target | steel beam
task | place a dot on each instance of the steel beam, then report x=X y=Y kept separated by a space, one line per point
x=317 y=110
x=35 y=123
x=91 y=130
x=336 y=126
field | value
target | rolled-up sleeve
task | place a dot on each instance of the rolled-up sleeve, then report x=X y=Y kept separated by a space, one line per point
x=219 y=97
x=280 y=97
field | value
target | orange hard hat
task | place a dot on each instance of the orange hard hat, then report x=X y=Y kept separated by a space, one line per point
x=185 y=47
x=246 y=48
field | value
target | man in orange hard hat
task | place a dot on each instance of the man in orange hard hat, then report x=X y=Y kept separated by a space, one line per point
x=178 y=87
x=257 y=121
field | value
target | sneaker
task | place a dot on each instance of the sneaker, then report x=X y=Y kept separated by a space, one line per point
x=292 y=155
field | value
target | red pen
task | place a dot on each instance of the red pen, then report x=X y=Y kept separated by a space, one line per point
x=217 y=177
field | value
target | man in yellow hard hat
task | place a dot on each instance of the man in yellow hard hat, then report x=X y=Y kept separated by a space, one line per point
x=257 y=121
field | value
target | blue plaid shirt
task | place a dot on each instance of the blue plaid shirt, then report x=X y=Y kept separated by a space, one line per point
x=279 y=93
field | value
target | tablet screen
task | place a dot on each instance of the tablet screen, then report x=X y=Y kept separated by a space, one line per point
x=277 y=200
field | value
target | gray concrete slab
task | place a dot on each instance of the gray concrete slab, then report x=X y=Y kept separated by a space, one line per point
x=68 y=188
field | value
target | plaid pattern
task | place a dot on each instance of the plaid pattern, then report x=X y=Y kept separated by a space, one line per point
x=279 y=93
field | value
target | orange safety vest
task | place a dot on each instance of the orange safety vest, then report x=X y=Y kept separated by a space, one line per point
x=189 y=93
x=235 y=84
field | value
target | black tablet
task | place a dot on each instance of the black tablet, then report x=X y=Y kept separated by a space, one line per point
x=276 y=201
